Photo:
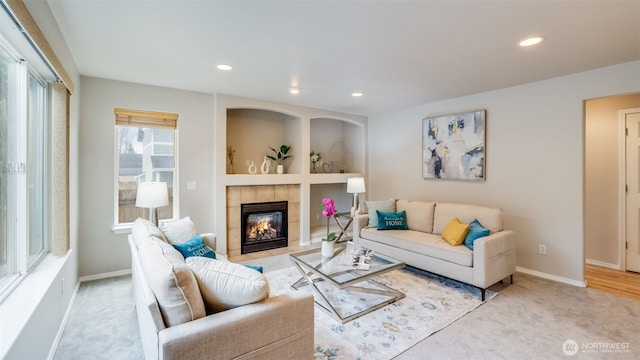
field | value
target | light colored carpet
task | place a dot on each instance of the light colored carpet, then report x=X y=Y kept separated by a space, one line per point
x=530 y=319
x=431 y=303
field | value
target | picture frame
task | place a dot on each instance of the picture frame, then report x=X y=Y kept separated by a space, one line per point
x=453 y=146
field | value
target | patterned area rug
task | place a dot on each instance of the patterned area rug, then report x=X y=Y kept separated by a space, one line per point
x=431 y=303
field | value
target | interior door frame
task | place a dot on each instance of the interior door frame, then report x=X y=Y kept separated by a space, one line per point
x=622 y=179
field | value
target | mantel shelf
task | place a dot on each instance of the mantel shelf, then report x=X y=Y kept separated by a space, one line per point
x=282 y=179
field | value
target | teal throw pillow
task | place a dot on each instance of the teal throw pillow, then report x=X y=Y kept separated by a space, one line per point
x=391 y=220
x=254 y=267
x=195 y=247
x=373 y=206
x=476 y=231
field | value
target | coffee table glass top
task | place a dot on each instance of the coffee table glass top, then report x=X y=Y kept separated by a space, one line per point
x=339 y=270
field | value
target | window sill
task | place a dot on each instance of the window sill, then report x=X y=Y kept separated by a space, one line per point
x=122 y=229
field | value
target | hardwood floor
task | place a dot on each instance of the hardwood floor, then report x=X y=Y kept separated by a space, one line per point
x=622 y=283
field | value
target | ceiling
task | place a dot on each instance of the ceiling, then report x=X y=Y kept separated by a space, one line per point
x=398 y=54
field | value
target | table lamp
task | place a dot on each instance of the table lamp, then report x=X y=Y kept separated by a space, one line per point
x=355 y=186
x=152 y=195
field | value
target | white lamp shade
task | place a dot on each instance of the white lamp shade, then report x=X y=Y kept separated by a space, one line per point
x=152 y=195
x=355 y=185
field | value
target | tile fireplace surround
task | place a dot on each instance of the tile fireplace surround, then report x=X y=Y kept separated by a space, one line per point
x=237 y=195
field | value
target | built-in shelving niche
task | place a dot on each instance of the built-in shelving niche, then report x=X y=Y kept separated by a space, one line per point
x=340 y=143
x=252 y=131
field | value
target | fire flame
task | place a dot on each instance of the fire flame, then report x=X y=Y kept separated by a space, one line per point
x=262 y=230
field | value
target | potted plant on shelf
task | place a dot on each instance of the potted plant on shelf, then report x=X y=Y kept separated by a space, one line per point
x=328 y=212
x=280 y=156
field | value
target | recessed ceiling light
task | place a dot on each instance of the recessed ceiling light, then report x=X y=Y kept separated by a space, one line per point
x=356 y=94
x=294 y=91
x=531 y=41
x=225 y=67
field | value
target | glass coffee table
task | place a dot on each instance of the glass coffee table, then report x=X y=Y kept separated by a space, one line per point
x=342 y=291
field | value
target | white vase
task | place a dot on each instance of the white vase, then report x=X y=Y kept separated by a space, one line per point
x=280 y=169
x=265 y=166
x=252 y=168
x=327 y=248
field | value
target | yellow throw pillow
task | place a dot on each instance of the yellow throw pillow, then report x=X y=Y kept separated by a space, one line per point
x=455 y=232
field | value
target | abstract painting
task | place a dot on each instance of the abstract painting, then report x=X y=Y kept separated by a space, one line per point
x=453 y=146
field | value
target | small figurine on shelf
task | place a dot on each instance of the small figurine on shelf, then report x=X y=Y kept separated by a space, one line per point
x=315 y=158
x=231 y=153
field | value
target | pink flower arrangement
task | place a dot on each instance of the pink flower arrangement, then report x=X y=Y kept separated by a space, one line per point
x=328 y=212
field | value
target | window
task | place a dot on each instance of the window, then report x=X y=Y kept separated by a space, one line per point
x=145 y=143
x=23 y=154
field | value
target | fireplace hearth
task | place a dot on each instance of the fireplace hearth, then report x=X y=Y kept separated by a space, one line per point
x=263 y=226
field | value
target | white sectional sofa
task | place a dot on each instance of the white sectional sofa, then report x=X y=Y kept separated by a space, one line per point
x=175 y=320
x=421 y=245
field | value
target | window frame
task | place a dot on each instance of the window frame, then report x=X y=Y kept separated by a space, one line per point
x=143 y=119
x=18 y=199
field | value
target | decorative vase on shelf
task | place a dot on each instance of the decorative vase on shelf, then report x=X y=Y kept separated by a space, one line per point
x=280 y=169
x=265 y=166
x=327 y=248
x=252 y=168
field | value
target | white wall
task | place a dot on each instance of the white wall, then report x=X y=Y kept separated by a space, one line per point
x=534 y=164
x=601 y=235
x=100 y=250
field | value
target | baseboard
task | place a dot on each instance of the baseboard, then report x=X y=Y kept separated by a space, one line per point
x=104 y=275
x=551 y=277
x=603 y=264
x=63 y=323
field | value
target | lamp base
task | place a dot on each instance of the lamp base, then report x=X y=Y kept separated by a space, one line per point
x=355 y=208
x=153 y=216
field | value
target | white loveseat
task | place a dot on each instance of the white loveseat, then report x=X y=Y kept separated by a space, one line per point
x=175 y=325
x=492 y=259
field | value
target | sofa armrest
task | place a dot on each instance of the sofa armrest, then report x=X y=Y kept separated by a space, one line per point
x=277 y=325
x=359 y=222
x=210 y=240
x=494 y=258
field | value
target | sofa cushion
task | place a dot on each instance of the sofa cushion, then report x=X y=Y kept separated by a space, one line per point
x=144 y=229
x=225 y=285
x=195 y=247
x=455 y=232
x=421 y=243
x=476 y=231
x=392 y=221
x=178 y=231
x=419 y=214
x=384 y=205
x=172 y=282
x=490 y=218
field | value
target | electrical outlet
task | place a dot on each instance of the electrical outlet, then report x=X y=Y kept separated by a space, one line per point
x=191 y=185
x=247 y=162
x=542 y=249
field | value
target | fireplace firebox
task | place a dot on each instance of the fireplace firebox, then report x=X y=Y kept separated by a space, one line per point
x=263 y=226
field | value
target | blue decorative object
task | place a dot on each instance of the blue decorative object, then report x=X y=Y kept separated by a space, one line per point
x=195 y=247
x=476 y=231
x=254 y=267
x=391 y=220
